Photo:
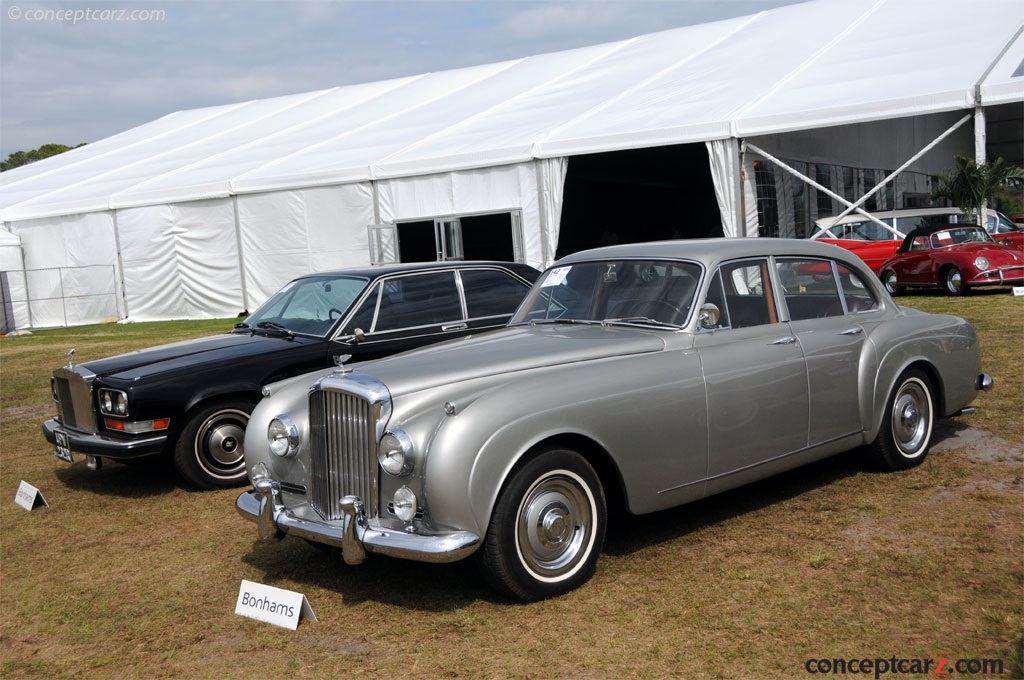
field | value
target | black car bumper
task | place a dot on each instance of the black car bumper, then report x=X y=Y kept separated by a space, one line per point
x=105 y=446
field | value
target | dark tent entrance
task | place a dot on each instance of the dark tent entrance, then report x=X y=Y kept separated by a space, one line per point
x=638 y=195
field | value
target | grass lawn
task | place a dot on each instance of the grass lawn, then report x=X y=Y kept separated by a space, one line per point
x=128 y=574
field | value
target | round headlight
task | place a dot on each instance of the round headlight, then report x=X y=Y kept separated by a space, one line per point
x=120 y=404
x=404 y=502
x=107 y=402
x=395 y=453
x=283 y=437
x=981 y=263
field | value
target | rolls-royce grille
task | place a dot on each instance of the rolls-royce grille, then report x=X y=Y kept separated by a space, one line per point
x=75 y=396
x=343 y=451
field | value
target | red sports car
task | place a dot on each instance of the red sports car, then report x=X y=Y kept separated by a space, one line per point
x=954 y=257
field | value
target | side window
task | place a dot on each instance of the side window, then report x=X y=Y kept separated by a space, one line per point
x=363 y=318
x=490 y=292
x=858 y=296
x=418 y=300
x=743 y=294
x=809 y=287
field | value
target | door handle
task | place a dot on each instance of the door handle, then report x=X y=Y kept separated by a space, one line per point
x=454 y=327
x=788 y=340
x=853 y=331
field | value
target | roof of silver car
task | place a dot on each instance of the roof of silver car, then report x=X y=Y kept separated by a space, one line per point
x=713 y=249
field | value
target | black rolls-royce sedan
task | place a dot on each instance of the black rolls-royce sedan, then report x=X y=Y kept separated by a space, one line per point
x=191 y=400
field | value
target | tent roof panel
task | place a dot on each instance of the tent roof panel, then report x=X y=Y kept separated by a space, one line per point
x=814 y=64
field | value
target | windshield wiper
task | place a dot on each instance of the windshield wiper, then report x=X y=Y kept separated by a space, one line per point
x=276 y=327
x=642 y=320
x=582 y=322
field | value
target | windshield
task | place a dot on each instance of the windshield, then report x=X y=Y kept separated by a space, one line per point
x=651 y=292
x=308 y=306
x=954 y=237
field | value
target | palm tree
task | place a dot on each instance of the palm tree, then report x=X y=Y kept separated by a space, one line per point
x=971 y=184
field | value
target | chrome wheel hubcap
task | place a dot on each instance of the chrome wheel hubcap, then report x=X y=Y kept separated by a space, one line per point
x=219 y=440
x=911 y=419
x=555 y=525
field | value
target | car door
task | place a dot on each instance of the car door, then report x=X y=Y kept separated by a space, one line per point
x=754 y=373
x=917 y=264
x=403 y=312
x=824 y=314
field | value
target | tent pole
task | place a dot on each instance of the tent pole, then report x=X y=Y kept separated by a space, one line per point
x=980 y=152
x=119 y=274
x=241 y=257
x=741 y=209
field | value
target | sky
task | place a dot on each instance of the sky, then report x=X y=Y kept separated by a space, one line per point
x=73 y=72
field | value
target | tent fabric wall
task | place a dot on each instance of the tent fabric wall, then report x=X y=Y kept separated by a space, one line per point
x=180 y=260
x=285 y=234
x=70 y=269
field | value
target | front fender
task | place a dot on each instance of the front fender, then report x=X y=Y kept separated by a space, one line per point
x=658 y=405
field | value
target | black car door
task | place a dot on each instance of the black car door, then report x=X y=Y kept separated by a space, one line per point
x=404 y=312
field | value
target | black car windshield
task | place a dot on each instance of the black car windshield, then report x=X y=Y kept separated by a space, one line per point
x=645 y=292
x=308 y=306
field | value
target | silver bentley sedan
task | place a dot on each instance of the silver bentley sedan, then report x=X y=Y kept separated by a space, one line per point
x=634 y=377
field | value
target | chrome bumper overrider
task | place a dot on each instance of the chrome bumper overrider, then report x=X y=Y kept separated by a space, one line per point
x=355 y=536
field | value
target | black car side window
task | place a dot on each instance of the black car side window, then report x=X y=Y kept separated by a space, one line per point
x=490 y=292
x=363 y=318
x=418 y=300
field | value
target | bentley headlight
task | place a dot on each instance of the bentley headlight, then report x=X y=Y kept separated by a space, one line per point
x=404 y=502
x=395 y=453
x=981 y=263
x=283 y=437
x=113 y=402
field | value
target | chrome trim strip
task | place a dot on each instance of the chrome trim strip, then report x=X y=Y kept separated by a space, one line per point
x=355 y=536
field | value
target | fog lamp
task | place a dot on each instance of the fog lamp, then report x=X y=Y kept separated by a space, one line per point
x=405 y=504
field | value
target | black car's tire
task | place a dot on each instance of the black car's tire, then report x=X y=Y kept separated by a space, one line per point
x=209 y=451
x=547 y=529
x=889 y=280
x=906 y=431
x=952 y=281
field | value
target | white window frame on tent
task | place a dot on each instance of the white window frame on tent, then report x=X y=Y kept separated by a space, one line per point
x=385 y=245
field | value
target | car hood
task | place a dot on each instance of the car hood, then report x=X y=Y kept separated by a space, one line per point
x=193 y=354
x=509 y=350
x=997 y=254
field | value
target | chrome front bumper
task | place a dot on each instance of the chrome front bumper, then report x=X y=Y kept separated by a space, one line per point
x=354 y=536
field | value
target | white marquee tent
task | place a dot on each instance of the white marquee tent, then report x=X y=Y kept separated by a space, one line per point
x=205 y=212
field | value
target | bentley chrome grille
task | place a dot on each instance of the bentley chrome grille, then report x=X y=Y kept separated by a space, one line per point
x=343 y=448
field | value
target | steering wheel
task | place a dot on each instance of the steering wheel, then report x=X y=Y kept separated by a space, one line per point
x=332 y=311
x=649 y=308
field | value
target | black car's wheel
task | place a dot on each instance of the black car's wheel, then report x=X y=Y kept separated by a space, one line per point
x=906 y=431
x=209 y=451
x=952 y=281
x=890 y=282
x=547 y=529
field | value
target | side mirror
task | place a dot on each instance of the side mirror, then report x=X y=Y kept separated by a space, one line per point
x=357 y=337
x=709 y=316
